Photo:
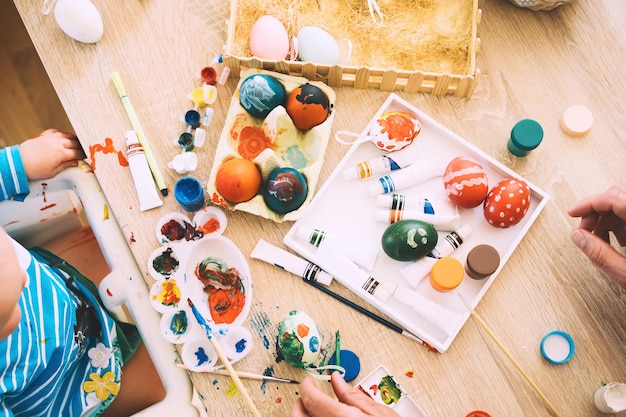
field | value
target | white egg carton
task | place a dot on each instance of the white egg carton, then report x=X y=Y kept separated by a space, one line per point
x=285 y=136
x=345 y=210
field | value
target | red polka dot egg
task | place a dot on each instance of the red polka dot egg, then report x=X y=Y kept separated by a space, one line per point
x=465 y=182
x=507 y=203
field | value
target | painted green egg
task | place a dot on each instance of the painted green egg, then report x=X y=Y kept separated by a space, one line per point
x=409 y=240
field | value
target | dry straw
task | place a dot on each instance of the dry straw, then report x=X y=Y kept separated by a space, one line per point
x=425 y=35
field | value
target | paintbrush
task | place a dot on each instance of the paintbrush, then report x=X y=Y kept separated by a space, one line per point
x=245 y=375
x=222 y=356
x=509 y=356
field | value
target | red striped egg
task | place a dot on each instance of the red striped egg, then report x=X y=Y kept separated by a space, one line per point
x=465 y=182
x=507 y=203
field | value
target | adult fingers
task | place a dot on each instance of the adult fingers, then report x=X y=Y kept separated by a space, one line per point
x=601 y=254
x=318 y=404
x=352 y=396
x=611 y=201
x=297 y=410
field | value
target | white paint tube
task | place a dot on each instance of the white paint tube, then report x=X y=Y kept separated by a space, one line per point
x=415 y=173
x=140 y=171
x=442 y=222
x=362 y=283
x=382 y=164
x=274 y=255
x=361 y=254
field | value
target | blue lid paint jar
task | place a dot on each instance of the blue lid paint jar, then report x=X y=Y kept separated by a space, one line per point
x=189 y=193
x=526 y=135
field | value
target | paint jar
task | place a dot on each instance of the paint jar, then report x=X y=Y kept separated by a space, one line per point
x=446 y=274
x=557 y=347
x=482 y=261
x=611 y=398
x=526 y=135
x=208 y=75
x=189 y=194
x=192 y=118
x=185 y=141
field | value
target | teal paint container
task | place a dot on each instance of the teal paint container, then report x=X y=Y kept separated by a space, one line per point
x=526 y=135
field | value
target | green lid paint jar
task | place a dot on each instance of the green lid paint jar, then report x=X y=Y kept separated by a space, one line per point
x=526 y=135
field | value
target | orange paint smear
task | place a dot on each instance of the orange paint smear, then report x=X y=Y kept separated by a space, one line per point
x=49 y=206
x=279 y=400
x=409 y=374
x=106 y=148
x=303 y=330
x=211 y=226
x=252 y=141
x=226 y=305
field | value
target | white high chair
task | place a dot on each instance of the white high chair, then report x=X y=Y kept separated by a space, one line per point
x=73 y=199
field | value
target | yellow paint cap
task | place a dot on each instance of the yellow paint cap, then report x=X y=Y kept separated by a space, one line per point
x=446 y=274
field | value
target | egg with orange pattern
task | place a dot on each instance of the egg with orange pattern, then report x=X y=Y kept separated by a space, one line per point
x=394 y=130
x=465 y=182
x=308 y=106
x=507 y=203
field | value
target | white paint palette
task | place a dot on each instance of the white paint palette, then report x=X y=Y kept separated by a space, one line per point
x=346 y=210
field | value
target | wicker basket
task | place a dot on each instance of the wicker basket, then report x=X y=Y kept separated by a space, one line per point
x=412 y=78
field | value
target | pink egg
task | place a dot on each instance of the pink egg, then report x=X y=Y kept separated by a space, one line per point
x=269 y=38
x=465 y=182
x=507 y=203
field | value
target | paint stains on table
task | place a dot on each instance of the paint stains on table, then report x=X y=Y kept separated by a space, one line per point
x=106 y=148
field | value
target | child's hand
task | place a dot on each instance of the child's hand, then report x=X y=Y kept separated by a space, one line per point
x=50 y=153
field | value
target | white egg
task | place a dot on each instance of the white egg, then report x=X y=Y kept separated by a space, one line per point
x=269 y=38
x=317 y=45
x=79 y=19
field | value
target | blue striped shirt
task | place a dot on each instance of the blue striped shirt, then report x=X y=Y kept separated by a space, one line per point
x=43 y=372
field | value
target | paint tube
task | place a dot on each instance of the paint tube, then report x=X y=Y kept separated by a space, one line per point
x=386 y=163
x=140 y=171
x=403 y=202
x=416 y=271
x=274 y=255
x=360 y=253
x=365 y=285
x=442 y=222
x=415 y=173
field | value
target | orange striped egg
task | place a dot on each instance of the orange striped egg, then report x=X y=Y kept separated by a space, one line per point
x=465 y=182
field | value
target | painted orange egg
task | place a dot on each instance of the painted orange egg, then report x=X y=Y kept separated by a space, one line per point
x=308 y=106
x=238 y=180
x=507 y=203
x=465 y=182
x=394 y=130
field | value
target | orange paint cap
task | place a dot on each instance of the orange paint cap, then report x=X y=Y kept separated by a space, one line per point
x=446 y=274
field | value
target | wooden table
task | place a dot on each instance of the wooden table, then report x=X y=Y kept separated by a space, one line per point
x=533 y=65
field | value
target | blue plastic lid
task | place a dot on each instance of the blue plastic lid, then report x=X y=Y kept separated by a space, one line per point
x=350 y=362
x=557 y=347
x=527 y=134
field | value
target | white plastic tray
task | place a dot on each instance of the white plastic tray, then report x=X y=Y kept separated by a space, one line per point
x=344 y=209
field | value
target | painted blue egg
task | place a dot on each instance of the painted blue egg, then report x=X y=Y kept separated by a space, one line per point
x=285 y=190
x=259 y=94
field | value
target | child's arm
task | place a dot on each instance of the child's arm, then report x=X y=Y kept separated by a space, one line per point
x=50 y=153
x=12 y=281
x=35 y=159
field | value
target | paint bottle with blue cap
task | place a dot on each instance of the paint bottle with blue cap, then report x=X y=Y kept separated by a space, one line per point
x=526 y=135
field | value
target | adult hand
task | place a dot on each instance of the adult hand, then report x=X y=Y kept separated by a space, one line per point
x=352 y=401
x=602 y=214
x=50 y=153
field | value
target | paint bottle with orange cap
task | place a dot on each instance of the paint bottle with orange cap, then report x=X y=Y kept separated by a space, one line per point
x=447 y=274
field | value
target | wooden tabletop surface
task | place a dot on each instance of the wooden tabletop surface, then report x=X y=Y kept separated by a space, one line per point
x=533 y=65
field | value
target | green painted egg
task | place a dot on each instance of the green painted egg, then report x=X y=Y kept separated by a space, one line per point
x=409 y=240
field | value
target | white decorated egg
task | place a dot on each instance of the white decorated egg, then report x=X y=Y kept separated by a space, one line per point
x=507 y=203
x=269 y=38
x=465 y=182
x=299 y=339
x=317 y=45
x=394 y=130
